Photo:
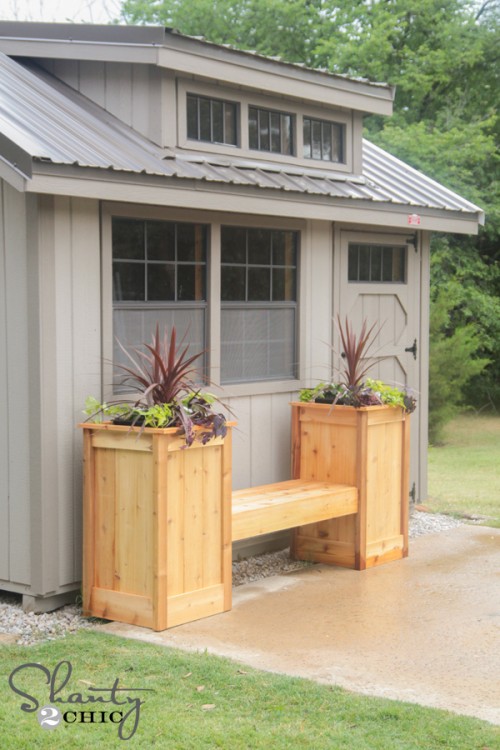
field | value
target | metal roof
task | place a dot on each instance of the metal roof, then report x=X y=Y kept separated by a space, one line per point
x=54 y=124
x=152 y=35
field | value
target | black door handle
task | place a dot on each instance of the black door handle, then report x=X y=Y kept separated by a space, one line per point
x=412 y=349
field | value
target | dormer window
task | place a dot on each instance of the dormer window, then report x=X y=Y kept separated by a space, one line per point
x=211 y=120
x=324 y=140
x=270 y=131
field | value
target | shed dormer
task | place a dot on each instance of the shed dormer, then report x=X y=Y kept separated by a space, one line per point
x=213 y=98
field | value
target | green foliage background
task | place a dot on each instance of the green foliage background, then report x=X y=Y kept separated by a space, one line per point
x=443 y=56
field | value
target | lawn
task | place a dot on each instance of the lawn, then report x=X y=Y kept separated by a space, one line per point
x=200 y=702
x=464 y=472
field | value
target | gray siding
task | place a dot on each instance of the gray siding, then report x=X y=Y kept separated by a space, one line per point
x=131 y=92
x=70 y=350
x=50 y=360
x=15 y=559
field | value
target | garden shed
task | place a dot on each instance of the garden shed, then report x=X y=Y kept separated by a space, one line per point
x=146 y=175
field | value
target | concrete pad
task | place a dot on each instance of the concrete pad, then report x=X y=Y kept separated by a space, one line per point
x=424 y=629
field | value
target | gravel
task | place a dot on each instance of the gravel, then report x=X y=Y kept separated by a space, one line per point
x=26 y=628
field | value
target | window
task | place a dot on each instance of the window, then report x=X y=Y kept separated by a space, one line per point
x=211 y=120
x=377 y=263
x=259 y=304
x=270 y=131
x=323 y=140
x=159 y=275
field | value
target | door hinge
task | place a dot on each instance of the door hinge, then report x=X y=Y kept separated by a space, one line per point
x=413 y=493
x=412 y=349
x=413 y=240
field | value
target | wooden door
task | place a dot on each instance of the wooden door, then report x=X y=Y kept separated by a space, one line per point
x=380 y=281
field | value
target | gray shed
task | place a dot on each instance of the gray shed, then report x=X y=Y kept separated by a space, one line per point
x=148 y=175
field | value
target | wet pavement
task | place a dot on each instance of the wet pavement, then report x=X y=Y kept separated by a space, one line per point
x=425 y=629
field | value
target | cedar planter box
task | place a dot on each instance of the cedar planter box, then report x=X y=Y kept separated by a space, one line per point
x=157 y=526
x=368 y=447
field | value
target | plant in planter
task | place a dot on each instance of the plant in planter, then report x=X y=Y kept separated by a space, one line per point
x=162 y=373
x=355 y=388
x=355 y=431
x=157 y=497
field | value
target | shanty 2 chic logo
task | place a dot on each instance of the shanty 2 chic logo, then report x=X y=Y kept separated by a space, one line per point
x=100 y=705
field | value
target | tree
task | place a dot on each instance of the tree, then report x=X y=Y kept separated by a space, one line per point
x=443 y=56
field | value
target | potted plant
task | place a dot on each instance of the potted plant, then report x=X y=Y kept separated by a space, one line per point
x=355 y=431
x=157 y=495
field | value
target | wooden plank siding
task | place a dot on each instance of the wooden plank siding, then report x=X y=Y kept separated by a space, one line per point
x=133 y=93
x=15 y=554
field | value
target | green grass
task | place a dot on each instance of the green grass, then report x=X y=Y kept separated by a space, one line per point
x=202 y=702
x=464 y=472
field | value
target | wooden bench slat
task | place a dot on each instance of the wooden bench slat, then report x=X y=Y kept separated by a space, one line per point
x=283 y=505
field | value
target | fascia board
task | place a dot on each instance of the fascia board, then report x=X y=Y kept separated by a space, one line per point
x=12 y=176
x=305 y=85
x=77 y=50
x=240 y=200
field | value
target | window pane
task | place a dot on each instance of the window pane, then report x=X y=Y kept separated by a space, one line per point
x=230 y=123
x=275 y=132
x=364 y=263
x=128 y=281
x=253 y=128
x=128 y=239
x=192 y=117
x=134 y=327
x=233 y=245
x=186 y=242
x=259 y=246
x=307 y=138
x=217 y=122
x=259 y=284
x=264 y=141
x=161 y=281
x=160 y=239
x=190 y=283
x=316 y=139
x=353 y=263
x=257 y=344
x=376 y=263
x=338 y=143
x=286 y=134
x=387 y=264
x=233 y=284
x=283 y=249
x=284 y=285
x=205 y=120
x=326 y=140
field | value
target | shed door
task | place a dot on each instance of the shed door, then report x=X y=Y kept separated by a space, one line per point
x=380 y=281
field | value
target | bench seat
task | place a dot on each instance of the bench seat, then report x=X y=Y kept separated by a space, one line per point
x=283 y=505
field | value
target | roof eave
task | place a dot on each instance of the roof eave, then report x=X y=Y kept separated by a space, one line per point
x=154 y=189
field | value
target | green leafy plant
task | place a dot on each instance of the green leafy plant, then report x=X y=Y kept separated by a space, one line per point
x=355 y=388
x=163 y=373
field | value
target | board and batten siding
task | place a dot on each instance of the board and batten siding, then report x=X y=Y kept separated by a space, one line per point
x=50 y=347
x=15 y=515
x=141 y=96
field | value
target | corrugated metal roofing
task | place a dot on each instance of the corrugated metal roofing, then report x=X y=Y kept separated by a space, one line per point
x=52 y=123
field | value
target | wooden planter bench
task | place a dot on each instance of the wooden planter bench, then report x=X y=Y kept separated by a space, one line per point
x=285 y=505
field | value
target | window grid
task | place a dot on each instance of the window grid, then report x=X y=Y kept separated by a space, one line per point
x=324 y=140
x=381 y=264
x=270 y=130
x=171 y=261
x=211 y=120
x=258 y=315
